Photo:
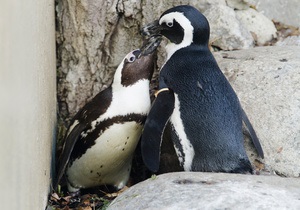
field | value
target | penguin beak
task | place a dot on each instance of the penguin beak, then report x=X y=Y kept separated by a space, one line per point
x=151 y=44
x=151 y=30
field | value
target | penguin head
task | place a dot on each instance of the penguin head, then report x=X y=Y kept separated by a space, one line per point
x=136 y=66
x=182 y=25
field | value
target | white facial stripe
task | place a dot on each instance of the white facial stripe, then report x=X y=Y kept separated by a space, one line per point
x=118 y=73
x=76 y=122
x=187 y=28
x=187 y=147
x=130 y=56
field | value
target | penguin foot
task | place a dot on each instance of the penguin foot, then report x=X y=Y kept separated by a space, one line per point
x=116 y=194
x=75 y=194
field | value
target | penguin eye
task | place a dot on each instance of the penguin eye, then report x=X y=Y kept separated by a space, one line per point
x=131 y=59
x=169 y=24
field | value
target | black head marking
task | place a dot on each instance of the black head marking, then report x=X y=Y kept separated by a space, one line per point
x=174 y=33
x=137 y=67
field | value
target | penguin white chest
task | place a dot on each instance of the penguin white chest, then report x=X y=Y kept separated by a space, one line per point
x=186 y=153
x=109 y=160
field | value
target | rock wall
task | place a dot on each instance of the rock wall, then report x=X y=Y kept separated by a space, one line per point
x=93 y=36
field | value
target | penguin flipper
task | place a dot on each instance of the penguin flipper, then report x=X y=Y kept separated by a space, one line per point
x=253 y=135
x=70 y=141
x=155 y=124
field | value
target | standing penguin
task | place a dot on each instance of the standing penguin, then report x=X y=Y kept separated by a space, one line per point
x=195 y=101
x=103 y=135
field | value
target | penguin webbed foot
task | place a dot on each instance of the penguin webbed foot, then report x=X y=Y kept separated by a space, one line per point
x=116 y=193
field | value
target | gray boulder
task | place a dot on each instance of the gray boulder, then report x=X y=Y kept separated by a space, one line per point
x=266 y=79
x=262 y=28
x=195 y=190
x=227 y=32
x=285 y=11
x=238 y=4
x=289 y=41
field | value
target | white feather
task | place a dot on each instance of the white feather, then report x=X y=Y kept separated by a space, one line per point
x=76 y=122
x=187 y=147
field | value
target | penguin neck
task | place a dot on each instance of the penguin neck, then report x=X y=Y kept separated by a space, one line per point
x=138 y=86
x=131 y=99
x=171 y=48
x=118 y=75
x=187 y=40
x=141 y=85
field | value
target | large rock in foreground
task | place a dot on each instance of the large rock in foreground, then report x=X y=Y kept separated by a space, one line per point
x=267 y=81
x=195 y=190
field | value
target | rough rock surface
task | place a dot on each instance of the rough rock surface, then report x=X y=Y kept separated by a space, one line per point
x=286 y=11
x=227 y=32
x=239 y=4
x=92 y=36
x=289 y=41
x=266 y=80
x=259 y=25
x=195 y=190
x=153 y=9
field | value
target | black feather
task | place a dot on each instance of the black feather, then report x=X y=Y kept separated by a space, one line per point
x=253 y=135
x=155 y=124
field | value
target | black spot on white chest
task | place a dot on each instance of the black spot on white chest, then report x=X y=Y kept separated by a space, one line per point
x=116 y=125
x=108 y=161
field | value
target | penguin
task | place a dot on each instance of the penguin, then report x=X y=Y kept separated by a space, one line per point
x=103 y=135
x=195 y=103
